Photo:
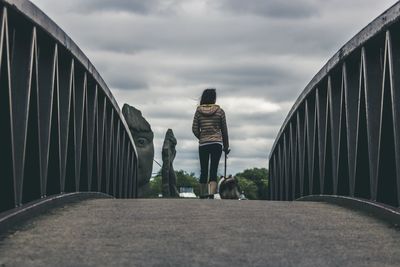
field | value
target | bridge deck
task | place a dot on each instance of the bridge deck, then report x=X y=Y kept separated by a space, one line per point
x=201 y=233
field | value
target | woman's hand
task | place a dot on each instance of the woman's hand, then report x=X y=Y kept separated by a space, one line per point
x=226 y=150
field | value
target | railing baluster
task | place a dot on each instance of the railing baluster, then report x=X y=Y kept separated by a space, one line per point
x=395 y=93
x=7 y=194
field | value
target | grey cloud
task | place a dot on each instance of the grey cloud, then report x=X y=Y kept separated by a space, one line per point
x=166 y=113
x=273 y=8
x=241 y=75
x=214 y=37
x=134 y=6
x=267 y=119
x=125 y=83
x=128 y=83
x=249 y=80
x=239 y=133
x=119 y=74
x=120 y=44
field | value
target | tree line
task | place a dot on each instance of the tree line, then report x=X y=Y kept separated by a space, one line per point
x=252 y=182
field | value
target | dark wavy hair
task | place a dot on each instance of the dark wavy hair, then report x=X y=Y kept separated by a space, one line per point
x=209 y=96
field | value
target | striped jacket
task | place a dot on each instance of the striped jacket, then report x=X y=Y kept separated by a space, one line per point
x=209 y=125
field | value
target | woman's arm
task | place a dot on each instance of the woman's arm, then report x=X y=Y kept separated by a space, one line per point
x=195 y=125
x=224 y=130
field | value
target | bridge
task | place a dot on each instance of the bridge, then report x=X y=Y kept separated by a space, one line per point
x=68 y=168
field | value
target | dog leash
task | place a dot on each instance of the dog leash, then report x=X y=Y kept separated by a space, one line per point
x=226 y=158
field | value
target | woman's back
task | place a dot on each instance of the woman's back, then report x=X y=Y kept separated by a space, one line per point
x=209 y=125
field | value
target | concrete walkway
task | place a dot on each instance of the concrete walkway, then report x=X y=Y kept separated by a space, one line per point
x=159 y=232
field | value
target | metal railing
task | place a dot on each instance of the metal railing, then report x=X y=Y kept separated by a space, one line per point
x=342 y=136
x=61 y=128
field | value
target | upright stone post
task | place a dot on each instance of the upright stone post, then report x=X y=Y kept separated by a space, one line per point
x=168 y=174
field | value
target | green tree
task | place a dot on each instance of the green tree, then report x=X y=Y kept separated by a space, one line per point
x=259 y=176
x=155 y=186
x=248 y=187
x=183 y=179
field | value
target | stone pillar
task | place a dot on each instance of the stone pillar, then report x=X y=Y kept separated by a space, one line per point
x=168 y=174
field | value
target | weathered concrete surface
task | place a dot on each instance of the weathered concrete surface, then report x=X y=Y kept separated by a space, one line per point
x=201 y=233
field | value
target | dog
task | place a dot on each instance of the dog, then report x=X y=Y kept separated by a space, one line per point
x=228 y=188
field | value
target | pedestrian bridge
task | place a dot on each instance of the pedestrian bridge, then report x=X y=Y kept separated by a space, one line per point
x=68 y=168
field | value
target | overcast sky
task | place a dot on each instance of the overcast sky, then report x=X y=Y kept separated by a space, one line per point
x=159 y=55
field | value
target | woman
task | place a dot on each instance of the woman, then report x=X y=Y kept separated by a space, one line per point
x=209 y=126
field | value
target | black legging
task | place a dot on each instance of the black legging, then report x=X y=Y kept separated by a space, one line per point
x=205 y=152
